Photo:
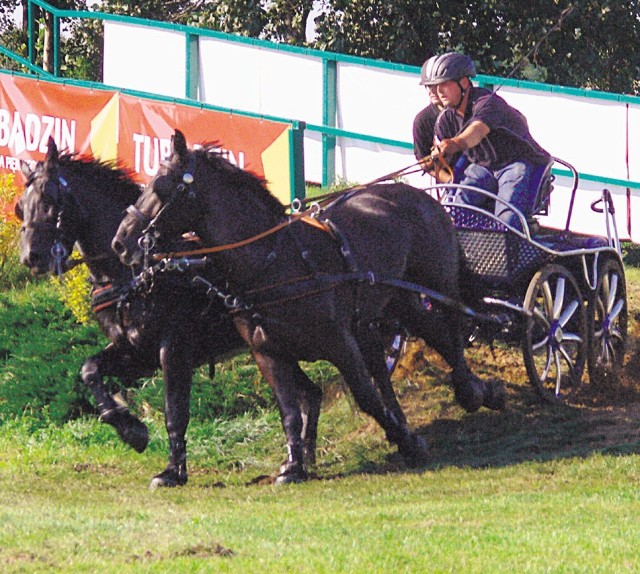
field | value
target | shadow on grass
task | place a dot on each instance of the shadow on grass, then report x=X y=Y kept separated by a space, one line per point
x=598 y=420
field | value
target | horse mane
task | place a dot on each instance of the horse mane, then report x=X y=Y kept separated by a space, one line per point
x=111 y=176
x=239 y=178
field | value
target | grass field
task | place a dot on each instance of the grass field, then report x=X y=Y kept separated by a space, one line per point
x=535 y=488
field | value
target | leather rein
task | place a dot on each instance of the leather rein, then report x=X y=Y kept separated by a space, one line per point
x=309 y=216
x=320 y=281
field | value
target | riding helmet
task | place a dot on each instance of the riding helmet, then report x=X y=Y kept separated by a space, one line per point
x=449 y=66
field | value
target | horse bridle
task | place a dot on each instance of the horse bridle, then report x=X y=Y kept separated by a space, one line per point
x=63 y=200
x=150 y=233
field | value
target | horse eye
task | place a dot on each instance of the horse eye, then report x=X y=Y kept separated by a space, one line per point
x=163 y=187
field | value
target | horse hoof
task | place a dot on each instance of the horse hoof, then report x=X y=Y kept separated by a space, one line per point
x=469 y=395
x=131 y=430
x=309 y=455
x=495 y=396
x=289 y=479
x=292 y=473
x=414 y=451
x=167 y=479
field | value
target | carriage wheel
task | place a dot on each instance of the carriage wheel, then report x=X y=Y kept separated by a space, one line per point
x=555 y=338
x=394 y=351
x=607 y=322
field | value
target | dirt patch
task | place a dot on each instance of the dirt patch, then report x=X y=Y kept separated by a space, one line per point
x=601 y=418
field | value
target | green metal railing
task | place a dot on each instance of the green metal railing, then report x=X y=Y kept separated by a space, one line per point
x=330 y=61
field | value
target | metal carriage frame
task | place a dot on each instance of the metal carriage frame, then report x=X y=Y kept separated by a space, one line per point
x=559 y=294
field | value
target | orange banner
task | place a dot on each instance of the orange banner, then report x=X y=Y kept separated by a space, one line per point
x=133 y=130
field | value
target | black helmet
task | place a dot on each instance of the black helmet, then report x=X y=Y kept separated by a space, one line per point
x=449 y=66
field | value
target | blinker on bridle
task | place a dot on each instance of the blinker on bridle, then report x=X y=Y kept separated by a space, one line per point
x=149 y=234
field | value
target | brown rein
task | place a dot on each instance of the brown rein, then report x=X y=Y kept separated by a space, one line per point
x=427 y=163
x=206 y=250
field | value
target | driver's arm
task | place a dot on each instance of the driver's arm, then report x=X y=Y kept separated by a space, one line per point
x=471 y=136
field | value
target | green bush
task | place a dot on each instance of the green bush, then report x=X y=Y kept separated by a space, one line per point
x=631 y=254
x=42 y=349
x=12 y=273
x=74 y=290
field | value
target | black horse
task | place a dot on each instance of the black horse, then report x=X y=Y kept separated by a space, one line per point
x=314 y=287
x=69 y=199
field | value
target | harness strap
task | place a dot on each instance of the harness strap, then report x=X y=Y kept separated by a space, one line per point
x=105 y=296
x=345 y=248
x=325 y=282
x=133 y=210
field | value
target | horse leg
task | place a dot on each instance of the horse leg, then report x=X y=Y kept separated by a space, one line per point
x=177 y=368
x=310 y=401
x=442 y=330
x=372 y=347
x=283 y=375
x=471 y=392
x=113 y=361
x=352 y=365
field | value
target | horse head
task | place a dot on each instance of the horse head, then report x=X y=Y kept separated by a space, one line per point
x=166 y=209
x=44 y=242
x=68 y=200
x=196 y=191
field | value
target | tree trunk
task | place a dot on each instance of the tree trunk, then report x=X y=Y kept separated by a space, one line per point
x=47 y=56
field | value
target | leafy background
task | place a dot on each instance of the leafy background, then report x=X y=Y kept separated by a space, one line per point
x=587 y=43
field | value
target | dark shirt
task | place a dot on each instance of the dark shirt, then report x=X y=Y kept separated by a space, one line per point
x=423 y=126
x=509 y=139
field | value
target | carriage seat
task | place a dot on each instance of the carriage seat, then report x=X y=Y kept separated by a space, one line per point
x=542 y=180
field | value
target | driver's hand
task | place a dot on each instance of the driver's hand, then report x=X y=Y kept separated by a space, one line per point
x=449 y=147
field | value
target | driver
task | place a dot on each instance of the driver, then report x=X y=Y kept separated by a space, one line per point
x=425 y=121
x=493 y=135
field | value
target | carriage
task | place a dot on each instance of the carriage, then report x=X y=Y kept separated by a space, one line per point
x=559 y=294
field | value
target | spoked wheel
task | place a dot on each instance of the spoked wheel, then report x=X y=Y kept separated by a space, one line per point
x=555 y=340
x=607 y=322
x=394 y=350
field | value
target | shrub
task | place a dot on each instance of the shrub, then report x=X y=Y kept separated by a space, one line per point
x=42 y=349
x=631 y=254
x=12 y=273
x=73 y=288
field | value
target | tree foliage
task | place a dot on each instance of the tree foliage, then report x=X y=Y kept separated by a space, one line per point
x=593 y=46
x=581 y=43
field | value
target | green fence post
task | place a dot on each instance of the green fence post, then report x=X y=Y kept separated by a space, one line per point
x=193 y=66
x=329 y=85
x=296 y=160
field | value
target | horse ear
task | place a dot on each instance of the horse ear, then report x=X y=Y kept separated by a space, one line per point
x=178 y=144
x=52 y=152
x=25 y=168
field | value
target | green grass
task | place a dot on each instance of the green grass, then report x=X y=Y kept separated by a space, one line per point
x=72 y=505
x=535 y=488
